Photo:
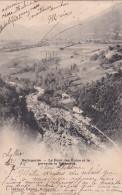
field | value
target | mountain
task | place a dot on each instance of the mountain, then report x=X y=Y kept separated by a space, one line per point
x=106 y=25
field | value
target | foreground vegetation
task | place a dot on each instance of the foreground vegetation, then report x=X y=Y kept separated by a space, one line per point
x=13 y=108
x=100 y=100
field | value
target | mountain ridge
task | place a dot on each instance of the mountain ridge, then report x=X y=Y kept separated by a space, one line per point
x=103 y=26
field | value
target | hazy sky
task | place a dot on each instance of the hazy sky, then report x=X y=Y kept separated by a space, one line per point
x=79 y=11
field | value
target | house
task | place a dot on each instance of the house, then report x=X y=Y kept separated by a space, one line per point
x=12 y=84
x=67 y=102
x=77 y=110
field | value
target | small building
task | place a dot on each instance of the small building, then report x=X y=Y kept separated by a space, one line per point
x=77 y=110
x=67 y=101
x=12 y=84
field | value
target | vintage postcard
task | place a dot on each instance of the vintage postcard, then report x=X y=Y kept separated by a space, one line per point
x=60 y=97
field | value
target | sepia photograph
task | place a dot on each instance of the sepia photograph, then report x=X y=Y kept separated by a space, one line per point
x=60 y=97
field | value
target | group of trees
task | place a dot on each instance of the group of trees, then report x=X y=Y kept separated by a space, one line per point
x=101 y=101
x=13 y=106
x=114 y=56
x=9 y=101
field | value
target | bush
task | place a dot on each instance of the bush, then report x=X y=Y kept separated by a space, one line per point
x=94 y=57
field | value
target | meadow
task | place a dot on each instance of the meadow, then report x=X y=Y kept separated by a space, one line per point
x=21 y=64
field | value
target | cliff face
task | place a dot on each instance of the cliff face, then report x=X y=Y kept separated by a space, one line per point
x=65 y=130
x=56 y=127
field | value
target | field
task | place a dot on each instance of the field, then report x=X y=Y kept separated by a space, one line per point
x=15 y=63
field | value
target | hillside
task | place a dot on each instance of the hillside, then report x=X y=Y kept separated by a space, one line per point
x=13 y=110
x=101 y=101
x=55 y=126
x=107 y=25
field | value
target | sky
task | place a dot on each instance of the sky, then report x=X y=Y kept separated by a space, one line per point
x=80 y=11
x=77 y=11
